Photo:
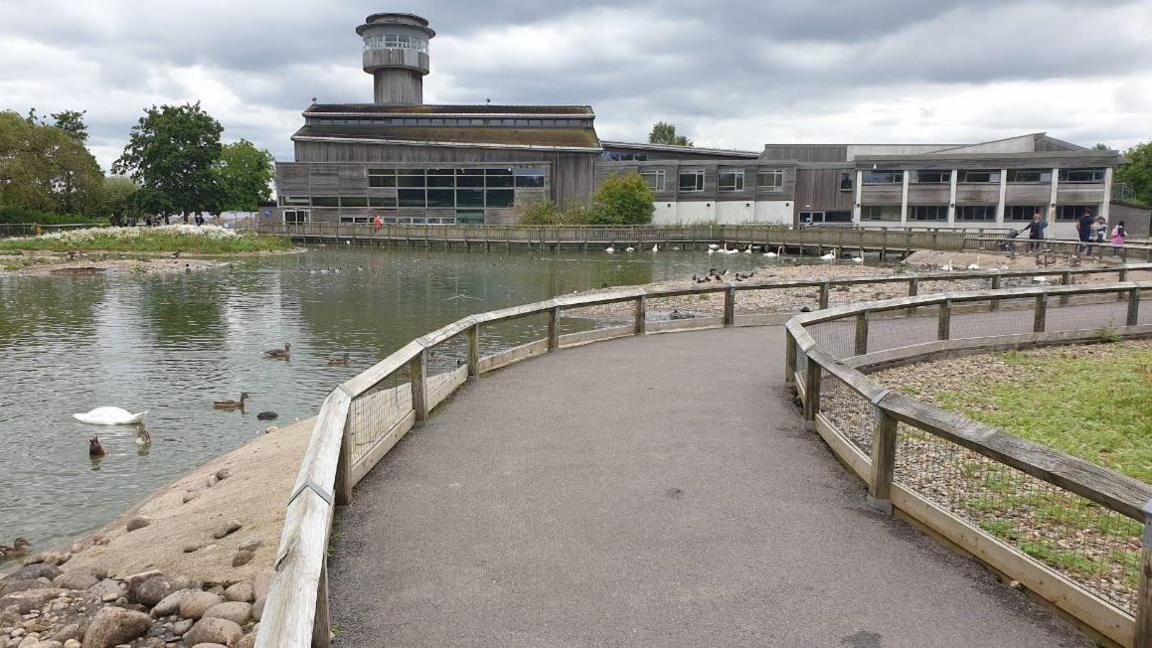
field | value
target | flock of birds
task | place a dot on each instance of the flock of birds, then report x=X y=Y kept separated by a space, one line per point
x=714 y=275
x=115 y=416
x=714 y=248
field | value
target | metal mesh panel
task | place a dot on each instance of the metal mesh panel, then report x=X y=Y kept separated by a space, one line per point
x=1091 y=545
x=776 y=300
x=801 y=362
x=836 y=338
x=375 y=412
x=495 y=337
x=951 y=285
x=1103 y=316
x=893 y=329
x=683 y=307
x=849 y=412
x=447 y=356
x=976 y=319
x=843 y=294
x=586 y=318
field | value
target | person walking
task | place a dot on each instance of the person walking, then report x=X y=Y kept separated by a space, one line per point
x=378 y=222
x=1118 y=236
x=1035 y=230
x=1084 y=229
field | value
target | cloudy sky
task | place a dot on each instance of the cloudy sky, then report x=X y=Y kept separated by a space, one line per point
x=733 y=74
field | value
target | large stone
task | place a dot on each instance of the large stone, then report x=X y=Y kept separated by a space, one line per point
x=38 y=570
x=107 y=587
x=79 y=579
x=258 y=608
x=70 y=632
x=195 y=604
x=213 y=630
x=181 y=627
x=138 y=522
x=113 y=626
x=226 y=529
x=28 y=600
x=248 y=641
x=236 y=611
x=263 y=582
x=242 y=558
x=170 y=604
x=22 y=585
x=241 y=591
x=151 y=590
x=209 y=645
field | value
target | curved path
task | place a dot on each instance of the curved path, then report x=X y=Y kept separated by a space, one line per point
x=651 y=491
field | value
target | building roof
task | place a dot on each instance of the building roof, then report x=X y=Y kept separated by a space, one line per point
x=583 y=139
x=442 y=109
x=671 y=148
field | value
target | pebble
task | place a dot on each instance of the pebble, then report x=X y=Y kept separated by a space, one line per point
x=238 y=612
x=214 y=630
x=251 y=545
x=191 y=547
x=114 y=625
x=195 y=604
x=242 y=558
x=223 y=474
x=270 y=429
x=242 y=591
x=188 y=497
x=138 y=522
x=182 y=626
x=226 y=529
x=170 y=604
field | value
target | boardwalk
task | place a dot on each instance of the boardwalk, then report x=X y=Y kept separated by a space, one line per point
x=654 y=491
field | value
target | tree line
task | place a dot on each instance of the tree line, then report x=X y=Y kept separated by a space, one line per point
x=173 y=164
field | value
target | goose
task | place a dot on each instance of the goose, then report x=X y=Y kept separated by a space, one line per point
x=109 y=416
x=773 y=255
x=629 y=249
x=267 y=416
x=947 y=267
x=655 y=247
x=18 y=549
x=94 y=448
x=279 y=354
x=341 y=361
x=976 y=265
x=610 y=249
x=831 y=256
x=142 y=437
x=231 y=404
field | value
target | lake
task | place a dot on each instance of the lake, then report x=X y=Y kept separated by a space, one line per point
x=171 y=344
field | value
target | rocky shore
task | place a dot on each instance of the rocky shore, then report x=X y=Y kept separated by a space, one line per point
x=190 y=566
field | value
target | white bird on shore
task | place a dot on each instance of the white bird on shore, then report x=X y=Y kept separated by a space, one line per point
x=610 y=249
x=947 y=267
x=629 y=249
x=778 y=252
x=1040 y=279
x=110 y=416
x=859 y=259
x=976 y=265
x=831 y=256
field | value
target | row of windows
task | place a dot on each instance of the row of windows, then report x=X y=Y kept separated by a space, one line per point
x=423 y=198
x=396 y=41
x=968 y=213
x=446 y=121
x=978 y=176
x=692 y=180
x=525 y=178
x=462 y=217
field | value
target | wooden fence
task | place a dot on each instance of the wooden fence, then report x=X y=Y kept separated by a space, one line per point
x=363 y=418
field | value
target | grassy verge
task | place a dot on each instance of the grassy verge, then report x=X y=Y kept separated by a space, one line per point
x=183 y=238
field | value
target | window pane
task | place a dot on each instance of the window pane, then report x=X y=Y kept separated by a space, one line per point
x=412 y=181
x=382 y=181
x=325 y=202
x=411 y=197
x=883 y=177
x=928 y=213
x=532 y=180
x=441 y=172
x=441 y=181
x=770 y=180
x=692 y=181
x=654 y=180
x=381 y=201
x=441 y=198
x=499 y=180
x=880 y=213
x=732 y=180
x=980 y=176
x=469 y=198
x=933 y=176
x=350 y=201
x=847 y=179
x=976 y=213
x=837 y=217
x=500 y=197
x=1029 y=175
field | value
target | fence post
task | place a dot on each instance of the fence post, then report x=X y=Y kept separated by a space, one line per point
x=944 y=325
x=824 y=288
x=1133 y=306
x=862 y=333
x=789 y=358
x=1039 y=320
x=1065 y=280
x=812 y=373
x=322 y=622
x=995 y=303
x=344 y=483
x=729 y=305
x=416 y=370
x=640 y=326
x=1144 y=594
x=473 y=333
x=883 y=460
x=553 y=328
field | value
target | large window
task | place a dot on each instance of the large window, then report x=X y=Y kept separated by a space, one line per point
x=1018 y=176
x=692 y=180
x=883 y=177
x=731 y=180
x=847 y=180
x=532 y=178
x=447 y=188
x=654 y=179
x=381 y=177
x=979 y=176
x=625 y=157
x=1081 y=175
x=325 y=201
x=295 y=200
x=880 y=213
x=770 y=180
x=932 y=176
x=825 y=217
x=928 y=213
x=1072 y=212
x=296 y=215
x=1022 y=212
x=396 y=41
x=976 y=213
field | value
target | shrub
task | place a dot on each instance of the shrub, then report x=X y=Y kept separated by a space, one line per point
x=623 y=199
x=543 y=213
x=25 y=215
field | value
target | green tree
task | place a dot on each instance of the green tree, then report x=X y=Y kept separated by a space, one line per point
x=665 y=133
x=244 y=176
x=44 y=168
x=173 y=153
x=1137 y=174
x=623 y=199
x=119 y=201
x=72 y=122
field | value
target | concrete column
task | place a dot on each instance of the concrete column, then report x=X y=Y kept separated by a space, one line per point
x=904 y=199
x=1052 y=203
x=952 y=198
x=857 y=202
x=1003 y=196
x=1103 y=211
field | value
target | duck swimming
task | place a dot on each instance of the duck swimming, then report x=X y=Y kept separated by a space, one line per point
x=19 y=548
x=279 y=354
x=267 y=416
x=94 y=448
x=143 y=439
x=231 y=404
x=342 y=361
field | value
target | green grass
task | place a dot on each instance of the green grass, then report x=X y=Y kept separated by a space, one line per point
x=149 y=240
x=1092 y=403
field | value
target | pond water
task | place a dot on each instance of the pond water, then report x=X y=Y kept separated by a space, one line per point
x=171 y=344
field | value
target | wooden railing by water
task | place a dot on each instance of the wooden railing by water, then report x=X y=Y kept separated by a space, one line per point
x=900 y=429
x=363 y=418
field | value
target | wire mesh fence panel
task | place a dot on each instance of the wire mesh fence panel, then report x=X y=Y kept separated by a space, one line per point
x=952 y=285
x=835 y=338
x=447 y=356
x=374 y=413
x=801 y=362
x=1089 y=544
x=978 y=319
x=847 y=411
x=776 y=300
x=893 y=329
x=842 y=294
x=587 y=318
x=683 y=307
x=1095 y=317
x=496 y=337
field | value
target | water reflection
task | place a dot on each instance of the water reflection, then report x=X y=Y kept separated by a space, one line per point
x=172 y=344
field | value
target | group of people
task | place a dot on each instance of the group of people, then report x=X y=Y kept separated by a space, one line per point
x=1088 y=228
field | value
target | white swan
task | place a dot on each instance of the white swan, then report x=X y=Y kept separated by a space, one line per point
x=976 y=265
x=609 y=249
x=1040 y=279
x=778 y=252
x=711 y=250
x=629 y=249
x=748 y=250
x=859 y=259
x=831 y=256
x=109 y=416
x=947 y=267
x=655 y=247
x=713 y=246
